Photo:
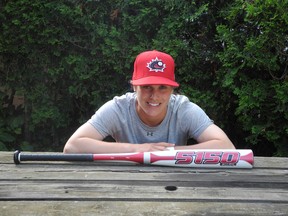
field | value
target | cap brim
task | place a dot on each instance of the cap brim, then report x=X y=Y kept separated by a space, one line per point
x=154 y=80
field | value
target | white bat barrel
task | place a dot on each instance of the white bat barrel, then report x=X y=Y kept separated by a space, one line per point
x=203 y=158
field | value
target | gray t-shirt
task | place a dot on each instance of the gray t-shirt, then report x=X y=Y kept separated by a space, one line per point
x=119 y=119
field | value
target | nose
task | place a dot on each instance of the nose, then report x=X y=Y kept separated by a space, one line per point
x=153 y=94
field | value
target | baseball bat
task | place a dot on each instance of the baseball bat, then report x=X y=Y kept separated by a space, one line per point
x=208 y=158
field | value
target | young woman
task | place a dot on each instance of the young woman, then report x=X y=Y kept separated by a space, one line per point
x=150 y=119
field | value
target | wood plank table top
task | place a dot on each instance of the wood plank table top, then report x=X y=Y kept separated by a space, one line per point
x=97 y=188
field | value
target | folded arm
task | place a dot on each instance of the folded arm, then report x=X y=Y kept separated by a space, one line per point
x=212 y=137
x=88 y=140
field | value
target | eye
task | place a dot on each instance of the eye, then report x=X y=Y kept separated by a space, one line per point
x=146 y=87
x=163 y=87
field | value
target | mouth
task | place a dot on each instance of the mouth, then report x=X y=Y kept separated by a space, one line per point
x=153 y=104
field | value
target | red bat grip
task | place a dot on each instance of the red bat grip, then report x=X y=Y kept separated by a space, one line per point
x=132 y=157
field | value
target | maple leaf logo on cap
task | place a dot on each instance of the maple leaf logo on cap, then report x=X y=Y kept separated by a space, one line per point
x=156 y=65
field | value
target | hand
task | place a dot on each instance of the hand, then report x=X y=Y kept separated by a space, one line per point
x=149 y=147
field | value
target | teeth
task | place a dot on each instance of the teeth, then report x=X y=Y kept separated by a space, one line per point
x=154 y=104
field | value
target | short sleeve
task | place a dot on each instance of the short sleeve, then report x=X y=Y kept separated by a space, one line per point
x=193 y=119
x=105 y=119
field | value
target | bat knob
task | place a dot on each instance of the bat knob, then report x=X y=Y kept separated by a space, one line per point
x=16 y=157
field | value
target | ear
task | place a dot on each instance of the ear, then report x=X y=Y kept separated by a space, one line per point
x=132 y=86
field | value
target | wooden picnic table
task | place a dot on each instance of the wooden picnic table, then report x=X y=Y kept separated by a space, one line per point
x=98 y=188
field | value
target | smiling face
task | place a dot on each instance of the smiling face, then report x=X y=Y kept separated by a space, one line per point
x=152 y=101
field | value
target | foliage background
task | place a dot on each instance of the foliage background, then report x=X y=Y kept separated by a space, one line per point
x=61 y=60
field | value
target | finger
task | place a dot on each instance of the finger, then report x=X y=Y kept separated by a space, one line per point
x=157 y=148
x=167 y=144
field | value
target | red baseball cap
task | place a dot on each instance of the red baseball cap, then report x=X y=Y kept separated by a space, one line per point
x=154 y=68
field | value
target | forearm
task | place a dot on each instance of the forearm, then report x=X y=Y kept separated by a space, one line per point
x=211 y=138
x=88 y=145
x=211 y=144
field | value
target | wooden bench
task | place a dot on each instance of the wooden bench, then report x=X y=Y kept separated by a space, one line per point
x=97 y=188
